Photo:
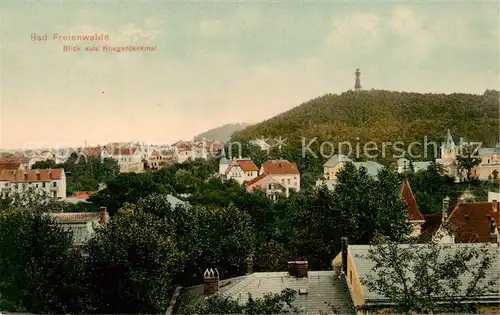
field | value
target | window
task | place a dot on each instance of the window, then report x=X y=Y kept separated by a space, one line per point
x=54 y=184
x=269 y=186
x=43 y=185
x=288 y=181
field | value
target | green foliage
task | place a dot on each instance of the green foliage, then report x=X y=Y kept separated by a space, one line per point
x=222 y=133
x=132 y=264
x=282 y=303
x=431 y=279
x=379 y=116
x=220 y=237
x=83 y=173
x=467 y=159
x=39 y=271
x=354 y=208
x=127 y=188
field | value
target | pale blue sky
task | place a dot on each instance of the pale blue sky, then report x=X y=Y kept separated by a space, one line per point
x=226 y=62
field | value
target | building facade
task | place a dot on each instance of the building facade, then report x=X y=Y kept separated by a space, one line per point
x=51 y=182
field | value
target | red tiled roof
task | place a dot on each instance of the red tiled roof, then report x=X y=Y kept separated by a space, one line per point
x=92 y=151
x=280 y=167
x=31 y=175
x=4 y=165
x=81 y=195
x=255 y=180
x=471 y=222
x=247 y=165
x=411 y=204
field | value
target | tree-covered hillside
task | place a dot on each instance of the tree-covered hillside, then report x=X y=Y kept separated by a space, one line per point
x=222 y=133
x=384 y=116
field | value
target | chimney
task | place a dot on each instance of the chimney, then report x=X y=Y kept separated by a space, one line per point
x=103 y=216
x=298 y=269
x=211 y=281
x=250 y=264
x=344 y=254
x=446 y=205
x=493 y=231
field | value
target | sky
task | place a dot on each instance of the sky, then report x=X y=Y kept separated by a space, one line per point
x=224 y=62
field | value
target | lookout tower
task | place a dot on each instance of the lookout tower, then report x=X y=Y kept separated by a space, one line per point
x=357 y=85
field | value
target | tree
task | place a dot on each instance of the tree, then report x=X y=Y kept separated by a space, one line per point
x=215 y=237
x=467 y=160
x=281 y=303
x=40 y=272
x=132 y=264
x=494 y=174
x=354 y=208
x=127 y=187
x=431 y=277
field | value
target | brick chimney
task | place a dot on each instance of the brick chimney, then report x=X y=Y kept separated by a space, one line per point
x=345 y=245
x=103 y=216
x=250 y=264
x=210 y=281
x=298 y=268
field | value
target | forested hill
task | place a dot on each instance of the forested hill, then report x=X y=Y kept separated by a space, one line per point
x=222 y=133
x=379 y=115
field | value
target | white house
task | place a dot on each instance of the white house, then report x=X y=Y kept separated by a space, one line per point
x=405 y=165
x=242 y=170
x=493 y=196
x=129 y=159
x=51 y=181
x=276 y=178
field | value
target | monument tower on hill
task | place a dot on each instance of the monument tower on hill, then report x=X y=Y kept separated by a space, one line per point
x=357 y=85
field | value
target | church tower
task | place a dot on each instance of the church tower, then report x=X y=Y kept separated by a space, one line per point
x=357 y=85
x=448 y=148
x=223 y=163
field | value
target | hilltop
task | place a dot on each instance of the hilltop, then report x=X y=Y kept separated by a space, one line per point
x=222 y=133
x=383 y=116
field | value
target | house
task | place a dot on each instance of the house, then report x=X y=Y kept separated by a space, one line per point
x=337 y=162
x=405 y=165
x=488 y=168
x=196 y=149
x=160 y=158
x=77 y=197
x=354 y=264
x=81 y=224
x=468 y=222
x=129 y=159
x=317 y=290
x=241 y=170
x=50 y=181
x=175 y=202
x=415 y=216
x=10 y=165
x=276 y=178
x=493 y=196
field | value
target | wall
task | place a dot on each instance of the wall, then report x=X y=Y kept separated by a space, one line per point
x=331 y=172
x=353 y=282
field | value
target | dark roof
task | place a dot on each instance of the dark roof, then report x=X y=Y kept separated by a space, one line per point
x=411 y=204
x=471 y=222
x=322 y=287
x=431 y=226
